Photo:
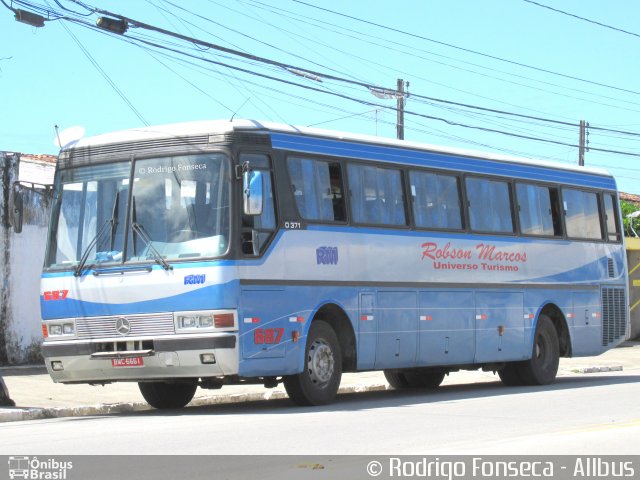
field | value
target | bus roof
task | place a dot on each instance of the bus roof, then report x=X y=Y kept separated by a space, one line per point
x=213 y=127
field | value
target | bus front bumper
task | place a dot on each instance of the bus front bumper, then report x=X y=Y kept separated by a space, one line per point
x=176 y=357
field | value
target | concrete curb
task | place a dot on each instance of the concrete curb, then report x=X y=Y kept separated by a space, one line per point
x=24 y=414
x=614 y=368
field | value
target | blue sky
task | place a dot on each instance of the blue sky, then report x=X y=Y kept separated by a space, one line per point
x=48 y=79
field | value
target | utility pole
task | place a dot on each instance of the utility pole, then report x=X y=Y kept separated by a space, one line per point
x=401 y=99
x=584 y=142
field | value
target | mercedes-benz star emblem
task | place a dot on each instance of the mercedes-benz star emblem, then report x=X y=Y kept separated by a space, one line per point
x=123 y=327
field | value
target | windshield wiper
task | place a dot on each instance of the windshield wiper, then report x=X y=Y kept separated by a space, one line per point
x=139 y=229
x=87 y=251
x=113 y=221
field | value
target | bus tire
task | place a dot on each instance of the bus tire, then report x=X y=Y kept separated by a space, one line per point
x=396 y=379
x=419 y=379
x=510 y=375
x=164 y=395
x=542 y=367
x=318 y=383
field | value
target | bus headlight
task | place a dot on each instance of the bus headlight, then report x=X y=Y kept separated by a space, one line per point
x=55 y=329
x=211 y=321
x=59 y=329
x=205 y=321
x=188 y=321
x=195 y=321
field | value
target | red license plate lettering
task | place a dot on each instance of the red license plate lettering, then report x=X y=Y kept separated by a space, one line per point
x=127 y=362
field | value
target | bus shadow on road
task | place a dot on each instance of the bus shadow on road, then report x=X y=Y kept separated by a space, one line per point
x=468 y=391
x=397 y=398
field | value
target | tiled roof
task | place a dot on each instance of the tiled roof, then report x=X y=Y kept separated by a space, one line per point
x=27 y=157
x=37 y=168
x=630 y=197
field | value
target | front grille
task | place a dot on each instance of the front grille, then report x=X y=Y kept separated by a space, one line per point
x=122 y=346
x=140 y=325
x=614 y=315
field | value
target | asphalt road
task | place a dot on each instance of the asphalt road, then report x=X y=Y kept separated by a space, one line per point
x=579 y=414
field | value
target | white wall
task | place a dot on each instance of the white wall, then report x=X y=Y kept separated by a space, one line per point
x=21 y=260
x=24 y=331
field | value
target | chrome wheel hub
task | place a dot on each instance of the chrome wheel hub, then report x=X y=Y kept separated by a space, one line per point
x=320 y=362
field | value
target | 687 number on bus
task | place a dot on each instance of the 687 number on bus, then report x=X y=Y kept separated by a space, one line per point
x=267 y=336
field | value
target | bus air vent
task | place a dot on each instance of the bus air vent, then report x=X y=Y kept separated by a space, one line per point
x=242 y=138
x=611 y=268
x=126 y=149
x=613 y=315
x=254 y=139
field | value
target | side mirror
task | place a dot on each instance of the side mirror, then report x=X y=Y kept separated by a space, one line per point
x=252 y=188
x=16 y=207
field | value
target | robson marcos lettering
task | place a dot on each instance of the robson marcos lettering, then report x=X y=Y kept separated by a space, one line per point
x=484 y=256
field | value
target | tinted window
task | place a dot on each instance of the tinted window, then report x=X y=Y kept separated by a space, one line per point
x=582 y=216
x=376 y=195
x=435 y=200
x=317 y=188
x=489 y=205
x=538 y=210
x=611 y=216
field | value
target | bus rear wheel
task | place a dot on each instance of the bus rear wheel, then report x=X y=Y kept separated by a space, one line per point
x=510 y=375
x=420 y=379
x=164 y=395
x=542 y=367
x=318 y=383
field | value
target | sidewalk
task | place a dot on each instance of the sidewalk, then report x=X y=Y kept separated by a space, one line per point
x=37 y=397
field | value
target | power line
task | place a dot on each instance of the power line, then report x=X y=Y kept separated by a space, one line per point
x=408 y=112
x=290 y=67
x=286 y=67
x=284 y=12
x=106 y=76
x=475 y=52
x=583 y=18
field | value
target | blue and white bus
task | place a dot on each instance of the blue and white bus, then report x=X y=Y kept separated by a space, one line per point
x=215 y=253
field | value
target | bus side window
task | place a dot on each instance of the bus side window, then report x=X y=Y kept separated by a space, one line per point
x=258 y=229
x=611 y=218
x=489 y=205
x=377 y=196
x=317 y=189
x=435 y=200
x=538 y=210
x=582 y=215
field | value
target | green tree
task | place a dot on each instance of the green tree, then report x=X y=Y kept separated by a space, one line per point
x=626 y=208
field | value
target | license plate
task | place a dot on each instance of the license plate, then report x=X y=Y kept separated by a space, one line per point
x=127 y=362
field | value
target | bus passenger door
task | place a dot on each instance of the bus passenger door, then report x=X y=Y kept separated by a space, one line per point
x=397 y=320
x=367 y=330
x=446 y=328
x=499 y=327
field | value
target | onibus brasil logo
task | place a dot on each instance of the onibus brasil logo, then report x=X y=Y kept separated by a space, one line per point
x=33 y=468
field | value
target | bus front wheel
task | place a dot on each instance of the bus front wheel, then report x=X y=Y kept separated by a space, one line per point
x=318 y=383
x=168 y=394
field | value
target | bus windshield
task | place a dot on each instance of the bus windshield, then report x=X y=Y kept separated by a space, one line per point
x=178 y=208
